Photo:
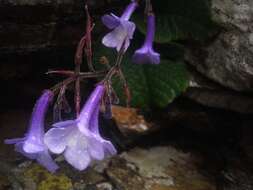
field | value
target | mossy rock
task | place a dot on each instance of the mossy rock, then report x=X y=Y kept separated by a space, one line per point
x=45 y=180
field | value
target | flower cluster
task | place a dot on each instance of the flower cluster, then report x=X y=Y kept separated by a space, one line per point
x=78 y=140
x=123 y=30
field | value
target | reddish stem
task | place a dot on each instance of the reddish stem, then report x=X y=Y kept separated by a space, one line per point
x=82 y=74
x=71 y=79
x=77 y=89
x=148 y=8
x=88 y=49
x=126 y=88
x=79 y=50
x=62 y=72
x=77 y=96
x=80 y=47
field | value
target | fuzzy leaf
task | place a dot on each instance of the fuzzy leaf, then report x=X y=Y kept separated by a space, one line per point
x=179 y=20
x=163 y=83
x=150 y=85
x=166 y=81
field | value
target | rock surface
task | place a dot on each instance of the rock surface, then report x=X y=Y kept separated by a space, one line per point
x=32 y=25
x=224 y=64
x=154 y=168
x=200 y=153
x=228 y=59
x=166 y=168
x=44 y=24
x=209 y=93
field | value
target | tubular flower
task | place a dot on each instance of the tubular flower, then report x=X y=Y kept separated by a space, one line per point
x=32 y=145
x=146 y=54
x=122 y=28
x=79 y=140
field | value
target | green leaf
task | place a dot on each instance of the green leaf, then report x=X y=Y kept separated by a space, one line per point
x=154 y=85
x=150 y=85
x=180 y=20
x=137 y=83
x=166 y=81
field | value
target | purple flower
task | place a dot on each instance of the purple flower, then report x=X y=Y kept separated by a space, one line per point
x=32 y=145
x=146 y=54
x=123 y=29
x=79 y=140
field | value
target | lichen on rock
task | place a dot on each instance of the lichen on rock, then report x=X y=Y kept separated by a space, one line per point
x=45 y=180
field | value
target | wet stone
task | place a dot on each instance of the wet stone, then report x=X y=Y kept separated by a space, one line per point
x=104 y=186
x=124 y=177
x=158 y=168
x=153 y=168
x=92 y=177
x=227 y=60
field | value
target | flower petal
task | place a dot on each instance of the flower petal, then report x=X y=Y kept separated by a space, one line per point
x=139 y=57
x=80 y=163
x=77 y=153
x=93 y=124
x=46 y=160
x=146 y=55
x=14 y=141
x=126 y=45
x=129 y=10
x=155 y=58
x=109 y=148
x=56 y=139
x=66 y=123
x=115 y=38
x=111 y=21
x=129 y=27
x=96 y=148
x=33 y=146
x=91 y=104
x=19 y=148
